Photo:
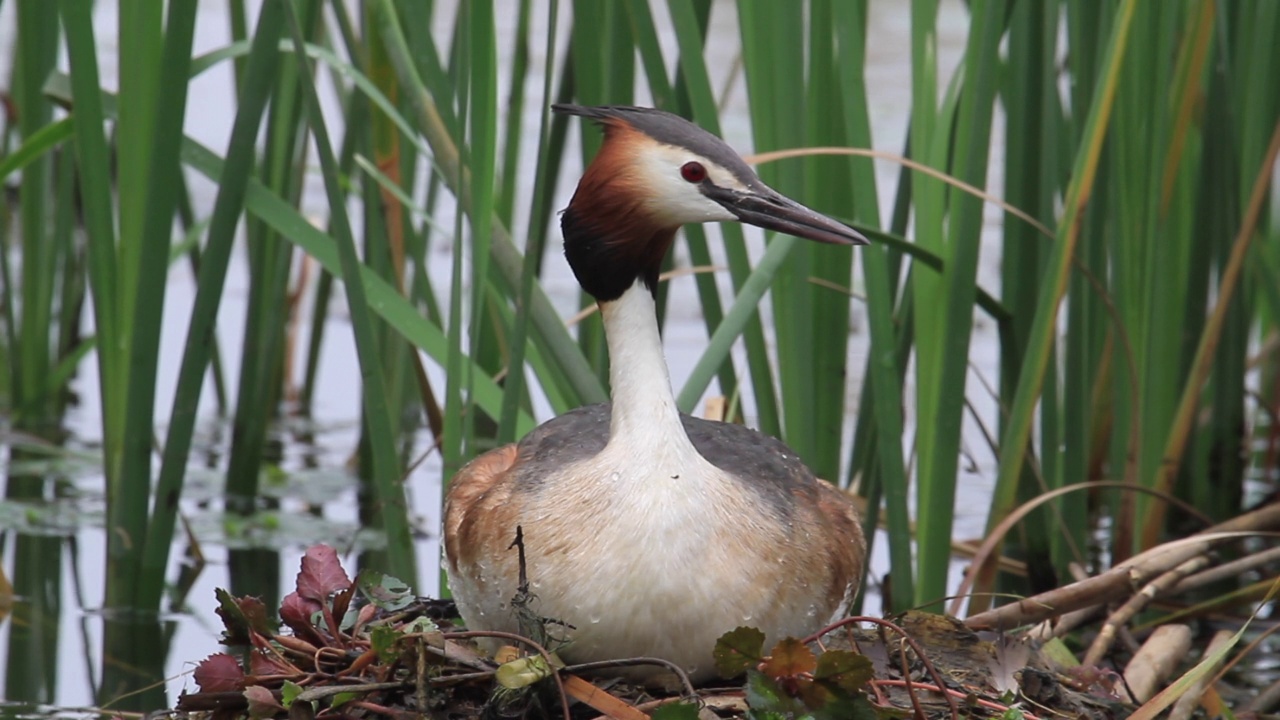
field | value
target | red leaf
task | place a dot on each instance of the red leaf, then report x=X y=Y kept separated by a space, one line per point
x=321 y=575
x=262 y=704
x=255 y=611
x=242 y=617
x=296 y=611
x=790 y=658
x=261 y=664
x=219 y=673
x=342 y=601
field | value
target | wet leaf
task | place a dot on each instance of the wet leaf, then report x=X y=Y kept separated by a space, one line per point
x=789 y=658
x=219 y=673
x=255 y=611
x=296 y=612
x=738 y=650
x=235 y=626
x=1057 y=651
x=262 y=704
x=343 y=698
x=261 y=663
x=676 y=711
x=856 y=707
x=814 y=695
x=386 y=592
x=523 y=672
x=342 y=601
x=422 y=624
x=765 y=696
x=383 y=638
x=290 y=692
x=362 y=617
x=505 y=654
x=846 y=669
x=321 y=574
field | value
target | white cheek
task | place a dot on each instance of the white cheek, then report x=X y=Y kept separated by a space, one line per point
x=671 y=198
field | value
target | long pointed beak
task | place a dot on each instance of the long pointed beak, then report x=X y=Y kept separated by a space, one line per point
x=771 y=210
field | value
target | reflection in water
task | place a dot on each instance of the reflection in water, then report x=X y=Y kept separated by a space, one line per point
x=134 y=651
x=31 y=670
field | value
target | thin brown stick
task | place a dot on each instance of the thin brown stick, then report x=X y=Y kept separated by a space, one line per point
x=1205 y=349
x=689 y=690
x=1119 y=581
x=906 y=679
x=924 y=659
x=761 y=158
x=1233 y=569
x=1156 y=588
x=1075 y=619
x=996 y=536
x=320 y=692
x=956 y=694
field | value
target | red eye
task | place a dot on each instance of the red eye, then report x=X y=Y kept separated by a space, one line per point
x=693 y=172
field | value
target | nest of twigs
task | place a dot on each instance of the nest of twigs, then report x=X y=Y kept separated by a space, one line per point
x=368 y=647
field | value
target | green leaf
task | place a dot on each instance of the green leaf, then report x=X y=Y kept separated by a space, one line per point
x=383 y=638
x=523 y=672
x=848 y=670
x=241 y=617
x=738 y=650
x=387 y=592
x=343 y=698
x=290 y=692
x=41 y=142
x=764 y=694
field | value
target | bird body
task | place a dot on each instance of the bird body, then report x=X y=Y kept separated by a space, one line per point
x=646 y=531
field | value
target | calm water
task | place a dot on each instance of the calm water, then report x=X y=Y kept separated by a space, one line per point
x=54 y=641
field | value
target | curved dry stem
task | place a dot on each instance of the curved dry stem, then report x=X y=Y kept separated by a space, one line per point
x=924 y=659
x=1233 y=569
x=1160 y=586
x=1115 y=584
x=546 y=656
x=765 y=157
x=689 y=690
x=993 y=540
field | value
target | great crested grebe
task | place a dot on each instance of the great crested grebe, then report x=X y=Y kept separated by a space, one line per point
x=648 y=531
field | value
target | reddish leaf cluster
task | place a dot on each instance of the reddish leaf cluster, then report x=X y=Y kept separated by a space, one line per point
x=325 y=638
x=792 y=671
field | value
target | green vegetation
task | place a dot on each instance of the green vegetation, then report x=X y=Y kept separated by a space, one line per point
x=1135 y=312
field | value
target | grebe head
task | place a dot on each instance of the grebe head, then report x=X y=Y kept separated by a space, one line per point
x=655 y=172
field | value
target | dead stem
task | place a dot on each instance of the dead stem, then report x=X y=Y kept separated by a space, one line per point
x=689 y=690
x=546 y=656
x=882 y=623
x=1138 y=602
x=1118 y=582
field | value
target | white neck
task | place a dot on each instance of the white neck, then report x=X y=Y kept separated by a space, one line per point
x=644 y=408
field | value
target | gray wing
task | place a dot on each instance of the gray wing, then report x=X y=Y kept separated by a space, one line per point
x=769 y=466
